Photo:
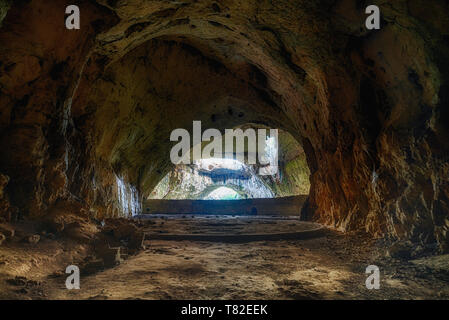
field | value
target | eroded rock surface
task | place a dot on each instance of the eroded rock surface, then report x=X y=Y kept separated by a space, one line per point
x=85 y=116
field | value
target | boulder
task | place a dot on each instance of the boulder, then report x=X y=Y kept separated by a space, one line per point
x=7 y=230
x=125 y=232
x=110 y=256
x=401 y=250
x=93 y=266
x=53 y=225
x=81 y=231
x=34 y=239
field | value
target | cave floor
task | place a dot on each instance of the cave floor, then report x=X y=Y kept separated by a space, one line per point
x=331 y=266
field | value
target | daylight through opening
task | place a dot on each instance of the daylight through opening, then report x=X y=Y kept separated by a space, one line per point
x=228 y=178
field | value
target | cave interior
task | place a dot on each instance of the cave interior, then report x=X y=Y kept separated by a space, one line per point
x=362 y=175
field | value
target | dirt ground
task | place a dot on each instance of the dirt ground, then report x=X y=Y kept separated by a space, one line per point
x=331 y=266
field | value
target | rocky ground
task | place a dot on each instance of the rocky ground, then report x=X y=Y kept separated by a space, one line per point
x=331 y=266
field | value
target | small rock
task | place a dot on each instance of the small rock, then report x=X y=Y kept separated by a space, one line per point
x=57 y=274
x=418 y=251
x=23 y=291
x=400 y=250
x=93 y=266
x=7 y=230
x=124 y=230
x=80 y=232
x=54 y=226
x=17 y=281
x=34 y=239
x=109 y=256
x=51 y=236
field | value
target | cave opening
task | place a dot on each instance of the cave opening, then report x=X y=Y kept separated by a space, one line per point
x=284 y=174
x=223 y=193
x=204 y=176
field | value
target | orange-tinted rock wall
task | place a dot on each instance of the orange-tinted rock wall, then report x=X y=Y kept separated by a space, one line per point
x=80 y=108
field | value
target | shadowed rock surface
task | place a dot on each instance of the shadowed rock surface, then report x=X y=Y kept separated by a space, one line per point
x=85 y=116
x=80 y=110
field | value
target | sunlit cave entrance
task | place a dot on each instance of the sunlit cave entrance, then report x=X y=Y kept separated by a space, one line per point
x=234 y=199
x=207 y=179
x=255 y=189
x=223 y=193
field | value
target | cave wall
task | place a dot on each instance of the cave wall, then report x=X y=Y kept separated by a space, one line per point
x=401 y=157
x=80 y=108
x=4 y=7
x=39 y=68
x=293 y=171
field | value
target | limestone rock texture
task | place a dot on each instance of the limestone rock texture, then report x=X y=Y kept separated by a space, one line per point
x=86 y=115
